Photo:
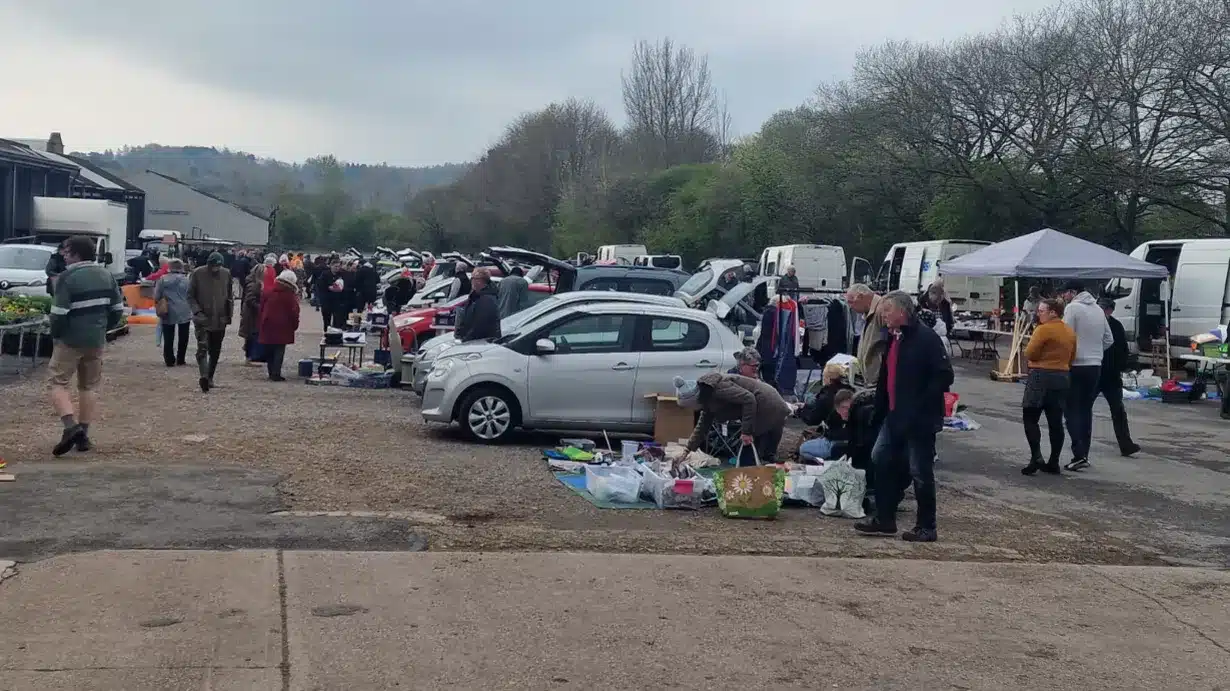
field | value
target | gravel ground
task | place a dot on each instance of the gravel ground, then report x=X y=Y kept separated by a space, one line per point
x=369 y=451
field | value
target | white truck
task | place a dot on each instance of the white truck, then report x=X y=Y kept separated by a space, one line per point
x=1199 y=293
x=913 y=266
x=56 y=218
x=819 y=268
x=619 y=254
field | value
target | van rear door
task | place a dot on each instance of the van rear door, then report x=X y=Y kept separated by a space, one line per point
x=1199 y=298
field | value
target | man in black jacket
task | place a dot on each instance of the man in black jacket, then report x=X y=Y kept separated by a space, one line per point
x=480 y=316
x=914 y=375
x=1114 y=362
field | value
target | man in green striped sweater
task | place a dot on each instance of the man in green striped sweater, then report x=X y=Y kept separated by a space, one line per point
x=87 y=304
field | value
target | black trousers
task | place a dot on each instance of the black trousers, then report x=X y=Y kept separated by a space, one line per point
x=1111 y=388
x=208 y=350
x=1052 y=407
x=274 y=355
x=174 y=349
x=765 y=447
x=1086 y=380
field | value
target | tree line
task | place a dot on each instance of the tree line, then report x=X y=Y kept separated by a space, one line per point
x=1107 y=119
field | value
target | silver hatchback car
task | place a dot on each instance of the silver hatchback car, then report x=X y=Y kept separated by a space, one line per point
x=584 y=367
x=427 y=355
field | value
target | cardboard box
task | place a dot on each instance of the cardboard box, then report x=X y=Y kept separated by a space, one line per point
x=670 y=422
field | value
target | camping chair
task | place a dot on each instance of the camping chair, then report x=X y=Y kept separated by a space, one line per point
x=723 y=440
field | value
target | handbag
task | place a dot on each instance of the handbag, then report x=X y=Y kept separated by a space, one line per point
x=750 y=492
x=162 y=307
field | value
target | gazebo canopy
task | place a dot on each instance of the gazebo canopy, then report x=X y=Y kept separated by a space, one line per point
x=1049 y=253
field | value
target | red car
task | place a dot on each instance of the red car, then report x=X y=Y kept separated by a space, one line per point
x=418 y=326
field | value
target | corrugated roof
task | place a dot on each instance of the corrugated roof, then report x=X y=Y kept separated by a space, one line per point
x=16 y=151
x=87 y=165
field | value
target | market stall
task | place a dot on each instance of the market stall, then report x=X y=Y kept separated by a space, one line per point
x=1046 y=253
x=24 y=328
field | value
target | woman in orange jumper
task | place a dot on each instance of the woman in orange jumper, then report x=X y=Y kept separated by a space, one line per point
x=1049 y=353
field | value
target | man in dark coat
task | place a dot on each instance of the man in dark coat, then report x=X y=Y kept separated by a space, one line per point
x=1114 y=362
x=480 y=315
x=914 y=375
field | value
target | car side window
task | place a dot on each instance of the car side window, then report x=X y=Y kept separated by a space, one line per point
x=601 y=284
x=677 y=335
x=591 y=333
x=649 y=286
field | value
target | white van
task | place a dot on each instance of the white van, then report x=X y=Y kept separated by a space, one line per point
x=819 y=268
x=619 y=254
x=659 y=261
x=912 y=266
x=1199 y=293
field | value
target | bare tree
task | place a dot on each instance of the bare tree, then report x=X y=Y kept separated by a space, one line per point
x=671 y=104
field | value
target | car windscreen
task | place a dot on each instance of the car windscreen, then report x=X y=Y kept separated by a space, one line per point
x=696 y=283
x=24 y=258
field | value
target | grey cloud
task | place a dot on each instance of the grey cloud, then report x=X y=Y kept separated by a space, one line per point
x=445 y=76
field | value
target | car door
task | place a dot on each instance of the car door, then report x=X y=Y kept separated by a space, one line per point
x=671 y=346
x=591 y=374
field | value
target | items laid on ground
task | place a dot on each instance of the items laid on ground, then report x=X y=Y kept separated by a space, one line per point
x=644 y=475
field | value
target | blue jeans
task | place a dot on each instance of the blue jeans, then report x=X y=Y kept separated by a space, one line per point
x=817 y=449
x=899 y=455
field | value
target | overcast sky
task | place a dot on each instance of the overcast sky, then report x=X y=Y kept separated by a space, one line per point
x=410 y=82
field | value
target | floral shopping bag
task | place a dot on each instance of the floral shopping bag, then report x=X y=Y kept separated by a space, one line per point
x=750 y=492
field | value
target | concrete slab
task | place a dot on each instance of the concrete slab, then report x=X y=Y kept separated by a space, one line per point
x=144 y=680
x=1199 y=599
x=534 y=621
x=169 y=610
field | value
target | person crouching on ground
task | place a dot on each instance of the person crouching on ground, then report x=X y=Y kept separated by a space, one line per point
x=758 y=406
x=835 y=432
x=279 y=320
x=212 y=298
x=87 y=305
x=910 y=390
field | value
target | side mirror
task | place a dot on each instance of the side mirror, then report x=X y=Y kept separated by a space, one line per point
x=544 y=346
x=107 y=258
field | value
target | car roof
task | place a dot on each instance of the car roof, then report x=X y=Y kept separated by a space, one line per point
x=30 y=246
x=646 y=309
x=622 y=270
x=614 y=296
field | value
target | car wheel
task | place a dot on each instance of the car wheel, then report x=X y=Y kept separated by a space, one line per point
x=487 y=415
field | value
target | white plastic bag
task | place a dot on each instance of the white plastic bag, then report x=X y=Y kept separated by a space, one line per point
x=844 y=487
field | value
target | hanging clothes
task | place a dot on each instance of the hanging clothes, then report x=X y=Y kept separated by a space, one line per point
x=788 y=344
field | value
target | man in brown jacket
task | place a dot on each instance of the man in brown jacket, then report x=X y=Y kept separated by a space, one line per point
x=212 y=299
x=725 y=397
x=873 y=340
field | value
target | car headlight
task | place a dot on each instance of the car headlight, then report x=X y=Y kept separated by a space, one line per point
x=441 y=368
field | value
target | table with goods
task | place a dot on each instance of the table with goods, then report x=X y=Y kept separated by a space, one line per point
x=23 y=325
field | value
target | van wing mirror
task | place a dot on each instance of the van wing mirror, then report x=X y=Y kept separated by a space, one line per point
x=108 y=258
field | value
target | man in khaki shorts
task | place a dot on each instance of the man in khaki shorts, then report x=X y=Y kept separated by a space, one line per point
x=87 y=304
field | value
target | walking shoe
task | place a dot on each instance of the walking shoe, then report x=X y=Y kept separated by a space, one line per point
x=1130 y=450
x=873 y=526
x=917 y=534
x=68 y=440
x=1077 y=464
x=180 y=363
x=1034 y=465
x=204 y=382
x=83 y=444
x=1051 y=468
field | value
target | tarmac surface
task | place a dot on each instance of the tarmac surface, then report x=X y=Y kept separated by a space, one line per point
x=263 y=619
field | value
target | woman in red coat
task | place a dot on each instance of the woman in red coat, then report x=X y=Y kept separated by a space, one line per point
x=279 y=319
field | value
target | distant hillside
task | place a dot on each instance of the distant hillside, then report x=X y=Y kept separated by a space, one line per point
x=257 y=182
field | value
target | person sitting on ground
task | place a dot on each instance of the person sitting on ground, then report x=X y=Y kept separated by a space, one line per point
x=725 y=397
x=819 y=409
x=834 y=432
